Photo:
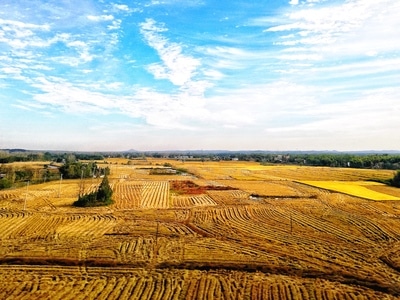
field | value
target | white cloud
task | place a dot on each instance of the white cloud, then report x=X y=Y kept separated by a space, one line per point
x=19 y=35
x=116 y=24
x=177 y=2
x=151 y=26
x=349 y=28
x=373 y=113
x=11 y=70
x=17 y=26
x=32 y=43
x=175 y=66
x=214 y=74
x=348 y=47
x=122 y=7
x=157 y=109
x=222 y=59
x=32 y=106
x=58 y=93
x=101 y=18
x=300 y=57
x=362 y=68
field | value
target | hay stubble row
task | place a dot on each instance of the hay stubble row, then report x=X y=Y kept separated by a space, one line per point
x=292 y=242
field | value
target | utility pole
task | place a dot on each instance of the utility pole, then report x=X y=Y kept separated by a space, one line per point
x=155 y=246
x=81 y=188
x=26 y=194
x=157 y=228
x=291 y=224
x=59 y=187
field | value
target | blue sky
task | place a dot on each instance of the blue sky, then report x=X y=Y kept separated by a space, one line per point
x=200 y=74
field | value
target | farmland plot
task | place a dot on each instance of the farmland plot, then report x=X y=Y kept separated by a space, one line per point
x=96 y=283
x=191 y=201
x=127 y=194
x=141 y=194
x=155 y=194
x=268 y=188
x=167 y=237
x=354 y=188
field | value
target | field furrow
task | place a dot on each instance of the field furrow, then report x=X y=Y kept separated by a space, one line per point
x=218 y=230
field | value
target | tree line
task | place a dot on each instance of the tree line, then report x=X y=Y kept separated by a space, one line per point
x=67 y=166
x=390 y=161
x=20 y=155
x=379 y=160
x=14 y=176
x=363 y=161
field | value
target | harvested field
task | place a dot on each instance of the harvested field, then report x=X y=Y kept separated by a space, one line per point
x=362 y=189
x=116 y=283
x=234 y=230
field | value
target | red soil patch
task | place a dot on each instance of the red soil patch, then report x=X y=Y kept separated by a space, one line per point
x=190 y=188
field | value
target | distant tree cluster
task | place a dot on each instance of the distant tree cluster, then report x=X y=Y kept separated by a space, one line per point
x=363 y=161
x=73 y=169
x=101 y=197
x=66 y=164
x=20 y=155
x=367 y=161
x=12 y=175
x=324 y=159
x=313 y=158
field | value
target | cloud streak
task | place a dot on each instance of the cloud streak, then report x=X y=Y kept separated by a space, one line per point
x=175 y=67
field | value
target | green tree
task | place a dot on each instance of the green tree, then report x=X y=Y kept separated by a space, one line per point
x=105 y=192
x=101 y=197
x=78 y=170
x=5 y=183
x=395 y=181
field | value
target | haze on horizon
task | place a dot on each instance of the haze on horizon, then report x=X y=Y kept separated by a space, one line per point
x=200 y=74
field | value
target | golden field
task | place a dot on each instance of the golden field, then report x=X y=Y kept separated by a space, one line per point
x=355 y=188
x=245 y=231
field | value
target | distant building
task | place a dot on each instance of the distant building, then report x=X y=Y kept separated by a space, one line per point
x=184 y=157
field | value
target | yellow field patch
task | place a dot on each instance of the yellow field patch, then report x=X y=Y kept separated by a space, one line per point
x=265 y=188
x=353 y=188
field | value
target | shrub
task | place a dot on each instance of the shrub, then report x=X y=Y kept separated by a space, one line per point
x=395 y=181
x=5 y=183
x=100 y=197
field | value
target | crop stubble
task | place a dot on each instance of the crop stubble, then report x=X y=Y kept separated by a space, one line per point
x=290 y=242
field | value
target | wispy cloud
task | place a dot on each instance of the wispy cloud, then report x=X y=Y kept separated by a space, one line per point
x=340 y=46
x=101 y=18
x=177 y=2
x=122 y=7
x=363 y=122
x=156 y=109
x=19 y=35
x=176 y=66
x=223 y=57
x=57 y=93
x=352 y=27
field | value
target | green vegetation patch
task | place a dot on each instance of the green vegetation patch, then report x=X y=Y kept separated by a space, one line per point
x=101 y=197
